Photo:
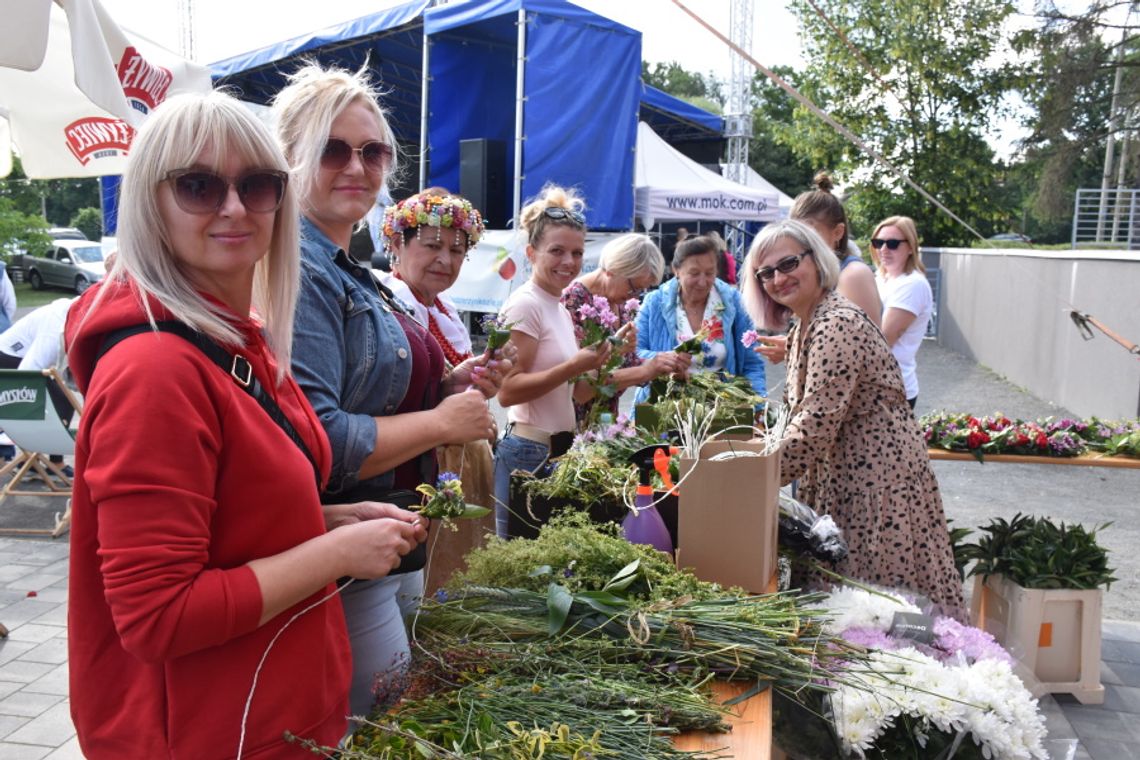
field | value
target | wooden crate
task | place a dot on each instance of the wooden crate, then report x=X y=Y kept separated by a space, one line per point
x=1054 y=633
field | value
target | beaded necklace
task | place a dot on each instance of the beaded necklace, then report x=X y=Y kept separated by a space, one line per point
x=451 y=353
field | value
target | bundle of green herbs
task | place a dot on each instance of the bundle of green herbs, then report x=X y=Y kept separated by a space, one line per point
x=492 y=698
x=596 y=468
x=582 y=556
x=731 y=396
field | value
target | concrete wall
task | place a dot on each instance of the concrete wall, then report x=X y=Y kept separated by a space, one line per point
x=1009 y=310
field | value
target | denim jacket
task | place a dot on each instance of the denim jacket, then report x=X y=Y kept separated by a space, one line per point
x=657 y=332
x=350 y=355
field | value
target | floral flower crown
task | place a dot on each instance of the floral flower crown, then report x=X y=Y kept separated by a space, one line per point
x=437 y=211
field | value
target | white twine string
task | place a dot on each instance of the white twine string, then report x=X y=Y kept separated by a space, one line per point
x=265 y=655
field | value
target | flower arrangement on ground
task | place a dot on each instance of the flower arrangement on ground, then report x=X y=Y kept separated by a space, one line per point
x=998 y=434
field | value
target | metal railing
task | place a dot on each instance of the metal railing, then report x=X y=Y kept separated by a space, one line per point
x=1106 y=217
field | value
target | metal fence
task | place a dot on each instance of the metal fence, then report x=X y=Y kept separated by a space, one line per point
x=1106 y=217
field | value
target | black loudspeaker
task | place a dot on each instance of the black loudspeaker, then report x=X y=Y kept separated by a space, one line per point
x=483 y=179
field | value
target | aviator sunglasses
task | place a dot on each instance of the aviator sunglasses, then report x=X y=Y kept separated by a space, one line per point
x=564 y=214
x=786 y=265
x=202 y=192
x=374 y=155
x=892 y=243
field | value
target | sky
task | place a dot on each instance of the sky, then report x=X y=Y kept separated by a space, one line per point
x=224 y=28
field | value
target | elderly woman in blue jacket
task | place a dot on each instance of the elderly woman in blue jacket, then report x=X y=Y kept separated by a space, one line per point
x=696 y=304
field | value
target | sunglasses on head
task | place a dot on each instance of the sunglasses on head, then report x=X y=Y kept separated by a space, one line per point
x=374 y=155
x=203 y=192
x=786 y=265
x=564 y=214
x=892 y=243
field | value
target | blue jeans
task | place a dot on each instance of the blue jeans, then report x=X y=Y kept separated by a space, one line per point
x=513 y=453
x=377 y=613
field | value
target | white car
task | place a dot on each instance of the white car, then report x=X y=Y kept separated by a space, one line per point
x=76 y=264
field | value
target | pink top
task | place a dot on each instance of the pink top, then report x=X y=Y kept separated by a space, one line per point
x=542 y=316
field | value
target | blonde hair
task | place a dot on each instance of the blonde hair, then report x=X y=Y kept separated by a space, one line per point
x=306 y=109
x=630 y=255
x=534 y=221
x=766 y=313
x=910 y=232
x=175 y=136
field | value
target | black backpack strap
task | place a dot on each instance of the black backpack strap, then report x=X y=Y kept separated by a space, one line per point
x=234 y=365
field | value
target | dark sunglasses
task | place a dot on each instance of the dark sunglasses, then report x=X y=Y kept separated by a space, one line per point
x=893 y=243
x=374 y=155
x=202 y=192
x=786 y=265
x=563 y=214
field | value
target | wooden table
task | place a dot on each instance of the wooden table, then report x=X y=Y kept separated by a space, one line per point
x=751 y=721
x=1085 y=460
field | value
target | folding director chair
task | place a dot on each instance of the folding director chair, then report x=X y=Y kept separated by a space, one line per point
x=29 y=418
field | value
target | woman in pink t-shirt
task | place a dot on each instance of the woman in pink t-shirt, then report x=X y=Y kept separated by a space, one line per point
x=539 y=394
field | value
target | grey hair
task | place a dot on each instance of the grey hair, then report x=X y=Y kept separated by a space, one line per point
x=305 y=110
x=175 y=136
x=765 y=312
x=632 y=254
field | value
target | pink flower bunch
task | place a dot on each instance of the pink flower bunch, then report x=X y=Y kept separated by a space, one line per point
x=749 y=338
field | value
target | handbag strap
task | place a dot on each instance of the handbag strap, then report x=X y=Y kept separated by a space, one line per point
x=234 y=365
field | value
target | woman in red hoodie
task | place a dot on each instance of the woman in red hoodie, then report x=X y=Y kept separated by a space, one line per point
x=198 y=534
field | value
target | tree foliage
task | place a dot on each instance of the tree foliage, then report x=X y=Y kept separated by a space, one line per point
x=936 y=87
x=89 y=221
x=703 y=90
x=1068 y=86
x=54 y=200
x=20 y=232
x=771 y=152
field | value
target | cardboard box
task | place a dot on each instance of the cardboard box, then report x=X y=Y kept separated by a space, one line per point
x=1054 y=633
x=726 y=522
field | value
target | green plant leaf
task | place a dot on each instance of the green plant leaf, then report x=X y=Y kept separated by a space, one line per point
x=558 y=603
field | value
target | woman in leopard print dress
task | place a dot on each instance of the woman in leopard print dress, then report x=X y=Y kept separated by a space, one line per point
x=852 y=440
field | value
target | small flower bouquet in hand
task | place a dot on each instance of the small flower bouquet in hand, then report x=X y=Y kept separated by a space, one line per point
x=444 y=501
x=498 y=332
x=599 y=323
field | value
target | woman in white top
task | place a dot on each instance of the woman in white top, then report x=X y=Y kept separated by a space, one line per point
x=907 y=299
x=539 y=393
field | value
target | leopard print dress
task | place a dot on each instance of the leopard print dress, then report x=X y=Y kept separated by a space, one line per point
x=857 y=450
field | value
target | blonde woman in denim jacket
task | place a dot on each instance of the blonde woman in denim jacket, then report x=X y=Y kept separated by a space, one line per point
x=374 y=376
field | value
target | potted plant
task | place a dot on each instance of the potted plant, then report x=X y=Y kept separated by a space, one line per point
x=1037 y=589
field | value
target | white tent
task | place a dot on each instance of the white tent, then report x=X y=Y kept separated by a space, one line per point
x=671 y=186
x=74 y=86
x=752 y=178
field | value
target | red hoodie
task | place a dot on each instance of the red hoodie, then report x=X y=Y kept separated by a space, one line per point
x=181 y=479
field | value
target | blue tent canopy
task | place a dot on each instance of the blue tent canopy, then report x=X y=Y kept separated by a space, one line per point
x=675 y=120
x=390 y=40
x=583 y=93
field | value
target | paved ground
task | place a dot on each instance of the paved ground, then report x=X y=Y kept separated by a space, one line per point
x=34 y=711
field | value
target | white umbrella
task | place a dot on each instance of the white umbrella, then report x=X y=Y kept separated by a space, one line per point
x=73 y=86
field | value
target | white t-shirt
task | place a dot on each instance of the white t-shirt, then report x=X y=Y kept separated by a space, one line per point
x=36 y=338
x=543 y=317
x=909 y=292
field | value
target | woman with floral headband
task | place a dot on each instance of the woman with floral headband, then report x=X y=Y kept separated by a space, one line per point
x=376 y=378
x=427 y=237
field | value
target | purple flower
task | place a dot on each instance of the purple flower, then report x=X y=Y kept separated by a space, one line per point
x=749 y=338
x=444 y=477
x=870 y=638
x=441 y=596
x=975 y=644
